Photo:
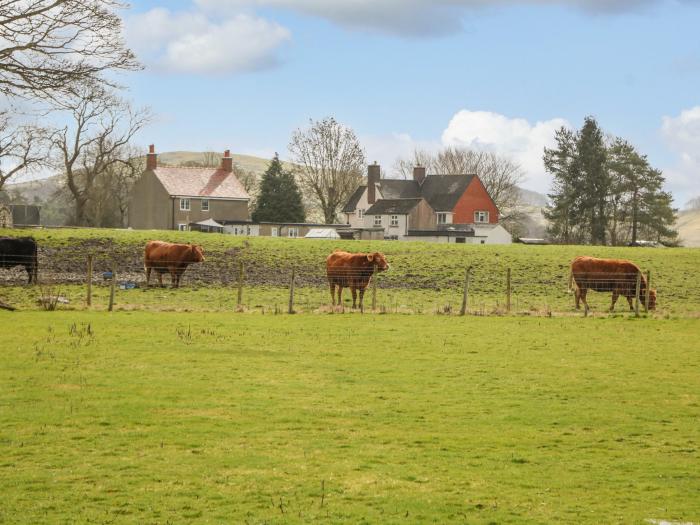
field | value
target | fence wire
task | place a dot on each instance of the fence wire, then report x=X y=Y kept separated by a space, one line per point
x=231 y=281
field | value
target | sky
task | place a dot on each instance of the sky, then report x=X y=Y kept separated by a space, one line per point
x=500 y=75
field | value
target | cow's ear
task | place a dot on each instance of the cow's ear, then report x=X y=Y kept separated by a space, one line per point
x=370 y=257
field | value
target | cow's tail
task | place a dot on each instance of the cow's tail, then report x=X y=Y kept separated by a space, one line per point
x=571 y=282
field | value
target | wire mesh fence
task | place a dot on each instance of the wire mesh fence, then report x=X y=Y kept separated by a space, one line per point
x=115 y=277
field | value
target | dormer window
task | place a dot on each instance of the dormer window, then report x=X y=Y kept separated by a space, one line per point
x=360 y=214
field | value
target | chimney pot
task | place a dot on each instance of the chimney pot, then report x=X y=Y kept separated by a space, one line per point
x=227 y=162
x=151 y=158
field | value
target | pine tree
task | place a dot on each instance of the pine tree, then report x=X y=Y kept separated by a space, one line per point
x=279 y=199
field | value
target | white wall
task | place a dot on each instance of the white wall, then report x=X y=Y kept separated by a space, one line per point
x=494 y=234
x=242 y=229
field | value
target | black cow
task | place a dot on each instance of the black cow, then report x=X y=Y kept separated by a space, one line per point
x=19 y=251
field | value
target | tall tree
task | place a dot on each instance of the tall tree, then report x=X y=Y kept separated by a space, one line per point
x=102 y=127
x=331 y=163
x=581 y=185
x=50 y=47
x=279 y=198
x=22 y=148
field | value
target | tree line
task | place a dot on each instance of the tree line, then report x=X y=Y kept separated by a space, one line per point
x=605 y=191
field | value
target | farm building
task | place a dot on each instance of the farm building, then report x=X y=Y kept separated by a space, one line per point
x=172 y=198
x=437 y=208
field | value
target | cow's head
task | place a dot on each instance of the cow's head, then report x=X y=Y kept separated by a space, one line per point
x=379 y=260
x=652 y=299
x=196 y=253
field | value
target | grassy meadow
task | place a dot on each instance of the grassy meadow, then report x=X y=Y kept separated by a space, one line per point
x=146 y=417
x=423 y=278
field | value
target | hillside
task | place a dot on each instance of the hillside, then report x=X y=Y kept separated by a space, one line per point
x=689 y=228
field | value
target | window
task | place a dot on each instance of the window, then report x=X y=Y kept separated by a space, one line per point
x=274 y=232
x=293 y=232
x=442 y=218
x=481 y=216
x=360 y=214
x=184 y=204
x=182 y=227
x=247 y=230
x=205 y=204
x=461 y=240
x=394 y=220
x=377 y=220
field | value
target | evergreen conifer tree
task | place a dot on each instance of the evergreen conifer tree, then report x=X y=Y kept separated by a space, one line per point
x=279 y=199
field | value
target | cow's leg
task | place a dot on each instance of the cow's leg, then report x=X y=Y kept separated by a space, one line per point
x=362 y=300
x=615 y=295
x=148 y=276
x=629 y=300
x=582 y=293
x=354 y=297
x=577 y=296
x=332 y=287
x=340 y=294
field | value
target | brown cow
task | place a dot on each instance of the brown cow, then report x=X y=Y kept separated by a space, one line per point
x=354 y=271
x=608 y=275
x=169 y=257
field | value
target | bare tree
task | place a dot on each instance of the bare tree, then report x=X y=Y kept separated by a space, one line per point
x=101 y=130
x=21 y=148
x=499 y=174
x=331 y=162
x=48 y=47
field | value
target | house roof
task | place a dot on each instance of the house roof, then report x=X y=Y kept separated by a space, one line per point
x=354 y=199
x=392 y=206
x=209 y=222
x=201 y=182
x=444 y=191
x=399 y=189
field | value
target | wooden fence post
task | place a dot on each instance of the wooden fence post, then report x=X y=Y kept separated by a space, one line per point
x=374 y=289
x=111 y=289
x=291 y=294
x=646 y=295
x=89 y=280
x=465 y=295
x=636 y=294
x=508 y=290
x=240 y=284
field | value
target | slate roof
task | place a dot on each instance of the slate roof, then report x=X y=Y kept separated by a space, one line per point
x=392 y=206
x=442 y=192
x=354 y=199
x=201 y=182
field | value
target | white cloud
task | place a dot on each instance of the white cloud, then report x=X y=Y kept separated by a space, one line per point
x=682 y=134
x=515 y=137
x=411 y=16
x=189 y=42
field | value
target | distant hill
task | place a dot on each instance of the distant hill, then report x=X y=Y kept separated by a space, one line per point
x=689 y=228
x=35 y=191
x=250 y=163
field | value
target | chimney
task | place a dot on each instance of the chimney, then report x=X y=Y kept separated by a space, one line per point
x=151 y=158
x=373 y=174
x=419 y=174
x=227 y=162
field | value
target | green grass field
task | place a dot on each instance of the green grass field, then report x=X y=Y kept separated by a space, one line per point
x=146 y=417
x=424 y=277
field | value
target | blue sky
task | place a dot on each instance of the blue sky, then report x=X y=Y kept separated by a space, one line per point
x=499 y=75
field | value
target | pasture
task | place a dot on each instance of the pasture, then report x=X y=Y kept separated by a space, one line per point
x=424 y=277
x=148 y=417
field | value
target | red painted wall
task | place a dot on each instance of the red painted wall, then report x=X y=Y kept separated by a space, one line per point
x=475 y=198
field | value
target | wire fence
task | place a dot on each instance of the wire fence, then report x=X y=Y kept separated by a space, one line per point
x=116 y=278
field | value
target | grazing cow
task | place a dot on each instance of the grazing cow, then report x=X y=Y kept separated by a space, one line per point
x=354 y=271
x=608 y=275
x=19 y=251
x=169 y=257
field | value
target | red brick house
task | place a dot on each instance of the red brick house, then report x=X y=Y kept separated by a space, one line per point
x=439 y=208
